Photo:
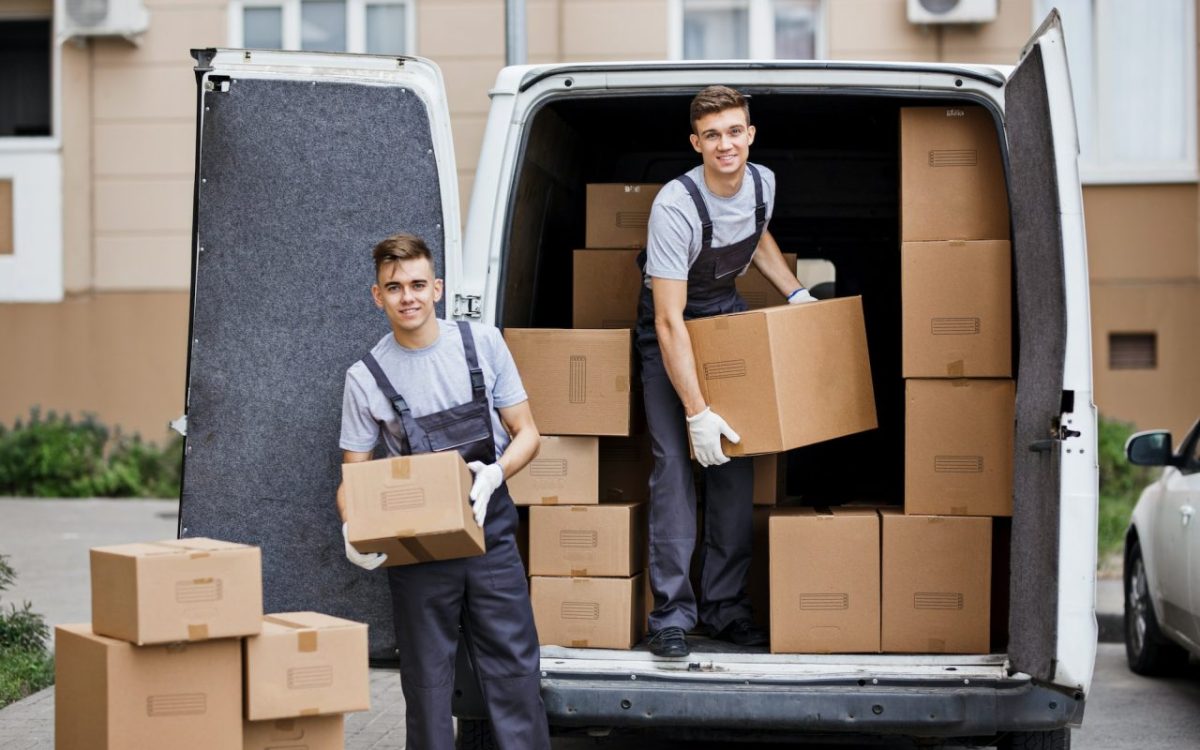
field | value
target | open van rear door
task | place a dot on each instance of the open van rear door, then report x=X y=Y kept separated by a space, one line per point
x=304 y=162
x=1053 y=367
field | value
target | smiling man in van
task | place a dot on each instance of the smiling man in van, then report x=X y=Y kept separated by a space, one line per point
x=706 y=227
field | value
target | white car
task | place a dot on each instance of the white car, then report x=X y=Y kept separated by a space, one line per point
x=1162 y=556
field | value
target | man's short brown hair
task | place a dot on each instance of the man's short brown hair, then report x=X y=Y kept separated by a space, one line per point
x=713 y=99
x=400 y=247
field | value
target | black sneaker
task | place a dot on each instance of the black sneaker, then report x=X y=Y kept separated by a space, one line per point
x=669 y=641
x=743 y=632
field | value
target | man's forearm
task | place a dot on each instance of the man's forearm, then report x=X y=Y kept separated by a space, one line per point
x=768 y=259
x=520 y=451
x=676 y=346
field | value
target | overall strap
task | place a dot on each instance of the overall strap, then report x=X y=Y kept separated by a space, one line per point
x=398 y=402
x=705 y=219
x=468 y=340
x=760 y=206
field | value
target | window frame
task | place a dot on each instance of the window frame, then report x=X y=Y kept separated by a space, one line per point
x=356 y=22
x=26 y=143
x=760 y=22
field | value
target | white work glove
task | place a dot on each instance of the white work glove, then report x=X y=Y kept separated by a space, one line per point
x=488 y=477
x=800 y=296
x=364 y=560
x=706 y=429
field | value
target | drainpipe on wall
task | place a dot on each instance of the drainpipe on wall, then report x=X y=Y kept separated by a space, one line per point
x=515 y=43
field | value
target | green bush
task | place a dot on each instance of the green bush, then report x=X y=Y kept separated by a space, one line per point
x=53 y=456
x=26 y=665
x=1120 y=484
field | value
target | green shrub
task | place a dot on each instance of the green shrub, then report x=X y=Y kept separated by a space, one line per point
x=26 y=665
x=1120 y=484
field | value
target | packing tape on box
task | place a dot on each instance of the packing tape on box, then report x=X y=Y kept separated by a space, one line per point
x=955 y=369
x=579 y=572
x=197 y=632
x=400 y=467
x=178 y=549
x=306 y=639
x=413 y=546
x=550 y=500
x=310 y=711
x=958 y=510
x=579 y=643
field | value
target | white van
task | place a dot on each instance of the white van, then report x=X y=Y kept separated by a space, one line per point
x=304 y=160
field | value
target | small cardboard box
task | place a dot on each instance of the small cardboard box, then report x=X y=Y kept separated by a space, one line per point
x=566 y=471
x=414 y=508
x=308 y=733
x=588 y=612
x=757 y=291
x=577 y=379
x=177 y=590
x=783 y=377
x=587 y=540
x=958 y=447
x=936 y=583
x=957 y=309
x=625 y=467
x=825 y=581
x=112 y=695
x=770 y=478
x=951 y=177
x=306 y=664
x=606 y=289
x=617 y=214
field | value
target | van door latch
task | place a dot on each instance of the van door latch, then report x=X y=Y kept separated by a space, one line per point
x=468 y=306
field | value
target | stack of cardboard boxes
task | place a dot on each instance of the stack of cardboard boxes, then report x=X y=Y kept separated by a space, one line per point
x=178 y=654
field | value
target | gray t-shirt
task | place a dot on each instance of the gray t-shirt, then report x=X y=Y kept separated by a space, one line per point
x=431 y=379
x=674 y=229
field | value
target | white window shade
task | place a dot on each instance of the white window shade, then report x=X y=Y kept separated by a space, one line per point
x=739 y=29
x=382 y=27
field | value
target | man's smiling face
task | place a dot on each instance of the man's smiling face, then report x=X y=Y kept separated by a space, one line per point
x=408 y=292
x=723 y=140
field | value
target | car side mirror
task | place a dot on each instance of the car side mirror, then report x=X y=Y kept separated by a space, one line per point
x=1151 y=448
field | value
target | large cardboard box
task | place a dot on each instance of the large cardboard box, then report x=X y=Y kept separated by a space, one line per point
x=825 y=581
x=177 y=590
x=936 y=583
x=617 y=214
x=308 y=733
x=958 y=447
x=566 y=471
x=306 y=664
x=757 y=291
x=577 y=379
x=587 y=540
x=112 y=695
x=783 y=377
x=957 y=309
x=606 y=289
x=770 y=478
x=588 y=612
x=951 y=178
x=414 y=508
x=625 y=467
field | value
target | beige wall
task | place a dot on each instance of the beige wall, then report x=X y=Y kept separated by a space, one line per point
x=879 y=30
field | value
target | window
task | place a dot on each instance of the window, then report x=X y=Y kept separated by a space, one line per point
x=1132 y=351
x=25 y=63
x=1133 y=75
x=741 y=29
x=380 y=27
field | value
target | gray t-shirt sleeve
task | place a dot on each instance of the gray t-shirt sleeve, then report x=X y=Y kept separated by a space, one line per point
x=508 y=390
x=669 y=241
x=360 y=431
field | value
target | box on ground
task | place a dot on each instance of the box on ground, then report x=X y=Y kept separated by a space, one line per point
x=625 y=467
x=177 y=590
x=617 y=214
x=825 y=581
x=587 y=540
x=307 y=733
x=588 y=612
x=757 y=291
x=606 y=289
x=957 y=309
x=936 y=584
x=577 y=379
x=958 y=447
x=306 y=664
x=112 y=695
x=414 y=508
x=566 y=471
x=951 y=177
x=783 y=377
x=770 y=478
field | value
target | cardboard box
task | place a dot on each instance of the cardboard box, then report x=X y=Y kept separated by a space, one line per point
x=566 y=471
x=957 y=309
x=757 y=291
x=951 y=178
x=414 y=508
x=306 y=664
x=958 y=447
x=177 y=590
x=606 y=289
x=825 y=581
x=783 y=377
x=625 y=467
x=617 y=214
x=587 y=540
x=936 y=583
x=588 y=612
x=770 y=478
x=577 y=379
x=112 y=695
x=308 y=733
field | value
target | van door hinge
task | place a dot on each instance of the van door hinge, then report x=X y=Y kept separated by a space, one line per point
x=468 y=306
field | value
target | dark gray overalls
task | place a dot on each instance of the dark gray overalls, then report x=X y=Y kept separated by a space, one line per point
x=728 y=533
x=488 y=594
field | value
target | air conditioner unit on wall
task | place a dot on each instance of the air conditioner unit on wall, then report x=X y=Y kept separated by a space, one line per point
x=77 y=18
x=951 y=11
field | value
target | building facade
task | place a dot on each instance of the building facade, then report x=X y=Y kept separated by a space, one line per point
x=97 y=154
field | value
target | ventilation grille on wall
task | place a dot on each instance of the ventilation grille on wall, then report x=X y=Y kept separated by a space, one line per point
x=124 y=18
x=1132 y=351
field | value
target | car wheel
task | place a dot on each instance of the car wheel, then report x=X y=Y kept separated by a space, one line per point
x=1147 y=650
x=1058 y=739
x=475 y=735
